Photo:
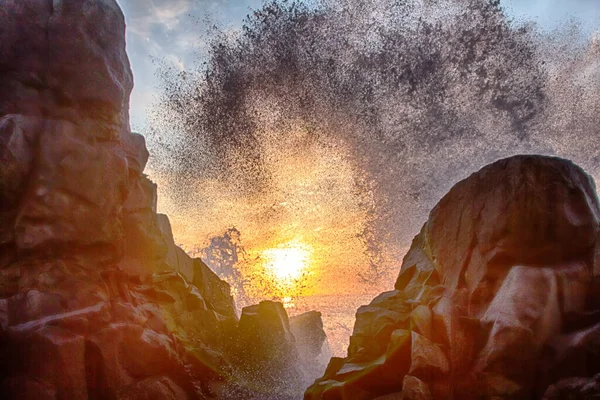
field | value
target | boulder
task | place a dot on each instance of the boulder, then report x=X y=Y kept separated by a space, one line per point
x=517 y=211
x=496 y=298
x=264 y=336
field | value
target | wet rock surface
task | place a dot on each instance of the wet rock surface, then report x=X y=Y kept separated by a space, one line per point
x=96 y=300
x=497 y=297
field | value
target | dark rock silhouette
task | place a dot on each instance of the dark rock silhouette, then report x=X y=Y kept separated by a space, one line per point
x=497 y=297
x=96 y=300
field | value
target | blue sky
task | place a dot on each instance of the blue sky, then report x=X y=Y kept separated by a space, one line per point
x=170 y=30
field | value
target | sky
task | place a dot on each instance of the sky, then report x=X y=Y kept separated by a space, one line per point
x=171 y=30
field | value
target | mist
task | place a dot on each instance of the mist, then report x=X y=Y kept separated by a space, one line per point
x=375 y=107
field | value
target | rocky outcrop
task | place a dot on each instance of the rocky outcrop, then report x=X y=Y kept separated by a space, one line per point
x=96 y=300
x=311 y=342
x=496 y=298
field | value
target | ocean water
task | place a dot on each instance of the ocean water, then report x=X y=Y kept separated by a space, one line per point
x=338 y=313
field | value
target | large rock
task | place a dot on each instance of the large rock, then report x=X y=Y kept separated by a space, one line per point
x=308 y=331
x=520 y=210
x=496 y=297
x=96 y=300
x=66 y=60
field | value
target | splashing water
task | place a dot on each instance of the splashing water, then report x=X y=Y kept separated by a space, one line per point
x=339 y=123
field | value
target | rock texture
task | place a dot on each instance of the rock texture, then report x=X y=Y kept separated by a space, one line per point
x=96 y=300
x=496 y=298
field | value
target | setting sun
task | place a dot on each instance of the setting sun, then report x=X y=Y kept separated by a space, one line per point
x=287 y=262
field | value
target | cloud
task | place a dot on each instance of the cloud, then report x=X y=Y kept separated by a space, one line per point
x=144 y=16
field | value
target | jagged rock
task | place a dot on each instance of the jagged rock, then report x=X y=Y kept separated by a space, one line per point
x=496 y=297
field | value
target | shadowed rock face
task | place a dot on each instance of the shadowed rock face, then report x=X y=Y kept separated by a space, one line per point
x=495 y=299
x=96 y=300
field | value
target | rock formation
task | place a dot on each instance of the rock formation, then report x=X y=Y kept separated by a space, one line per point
x=496 y=298
x=96 y=300
x=312 y=344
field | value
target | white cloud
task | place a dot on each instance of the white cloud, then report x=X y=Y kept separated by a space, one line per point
x=144 y=15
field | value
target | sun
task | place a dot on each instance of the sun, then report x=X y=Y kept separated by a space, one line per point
x=287 y=262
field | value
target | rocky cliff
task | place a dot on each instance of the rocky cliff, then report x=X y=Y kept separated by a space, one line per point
x=96 y=300
x=496 y=298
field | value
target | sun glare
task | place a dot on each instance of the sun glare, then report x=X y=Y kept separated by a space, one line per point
x=287 y=262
